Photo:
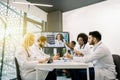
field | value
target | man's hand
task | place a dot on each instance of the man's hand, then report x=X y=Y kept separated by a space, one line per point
x=78 y=53
x=68 y=56
x=56 y=57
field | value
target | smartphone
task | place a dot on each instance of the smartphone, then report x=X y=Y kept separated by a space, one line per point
x=69 y=52
x=50 y=60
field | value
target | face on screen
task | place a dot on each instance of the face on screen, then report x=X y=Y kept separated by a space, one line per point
x=59 y=37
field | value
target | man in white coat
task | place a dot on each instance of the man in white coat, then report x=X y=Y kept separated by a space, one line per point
x=37 y=51
x=101 y=58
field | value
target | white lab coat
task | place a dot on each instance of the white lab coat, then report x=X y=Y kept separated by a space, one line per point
x=37 y=51
x=59 y=43
x=70 y=50
x=28 y=64
x=85 y=49
x=102 y=60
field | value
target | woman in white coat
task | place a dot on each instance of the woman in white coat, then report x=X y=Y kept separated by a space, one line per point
x=83 y=47
x=101 y=58
x=59 y=40
x=27 y=61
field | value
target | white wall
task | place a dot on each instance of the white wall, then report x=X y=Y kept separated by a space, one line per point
x=33 y=10
x=104 y=17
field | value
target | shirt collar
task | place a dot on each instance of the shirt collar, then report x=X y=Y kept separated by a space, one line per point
x=96 y=45
x=83 y=46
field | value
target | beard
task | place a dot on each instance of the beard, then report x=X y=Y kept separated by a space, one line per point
x=92 y=42
x=41 y=45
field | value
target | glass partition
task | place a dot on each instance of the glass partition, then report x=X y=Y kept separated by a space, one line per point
x=11 y=37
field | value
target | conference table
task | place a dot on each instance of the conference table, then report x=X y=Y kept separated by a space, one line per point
x=63 y=64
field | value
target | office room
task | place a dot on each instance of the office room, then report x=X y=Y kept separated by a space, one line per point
x=49 y=18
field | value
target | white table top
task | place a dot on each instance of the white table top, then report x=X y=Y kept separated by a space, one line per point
x=61 y=64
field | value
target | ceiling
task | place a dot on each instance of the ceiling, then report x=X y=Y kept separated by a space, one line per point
x=64 y=5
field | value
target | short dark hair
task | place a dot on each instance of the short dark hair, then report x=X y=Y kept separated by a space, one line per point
x=96 y=34
x=73 y=42
x=84 y=36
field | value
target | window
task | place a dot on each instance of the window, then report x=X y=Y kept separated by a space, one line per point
x=11 y=36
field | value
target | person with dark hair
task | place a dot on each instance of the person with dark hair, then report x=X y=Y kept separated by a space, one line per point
x=83 y=36
x=59 y=40
x=101 y=57
x=59 y=37
x=83 y=47
x=96 y=34
x=69 y=50
x=70 y=47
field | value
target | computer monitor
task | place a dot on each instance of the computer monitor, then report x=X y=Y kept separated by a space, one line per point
x=56 y=39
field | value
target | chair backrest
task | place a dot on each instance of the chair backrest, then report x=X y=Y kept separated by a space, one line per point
x=17 y=69
x=116 y=59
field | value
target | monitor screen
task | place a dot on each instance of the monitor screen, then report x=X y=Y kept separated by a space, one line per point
x=56 y=39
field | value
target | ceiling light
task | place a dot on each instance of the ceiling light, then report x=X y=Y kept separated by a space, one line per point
x=34 y=4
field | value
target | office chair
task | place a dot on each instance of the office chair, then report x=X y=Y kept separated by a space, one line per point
x=17 y=69
x=116 y=59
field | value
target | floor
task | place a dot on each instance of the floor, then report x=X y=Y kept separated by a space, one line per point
x=61 y=75
x=62 y=78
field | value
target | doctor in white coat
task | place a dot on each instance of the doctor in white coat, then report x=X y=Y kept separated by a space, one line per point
x=37 y=50
x=37 y=47
x=101 y=58
x=27 y=61
x=59 y=40
x=83 y=47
